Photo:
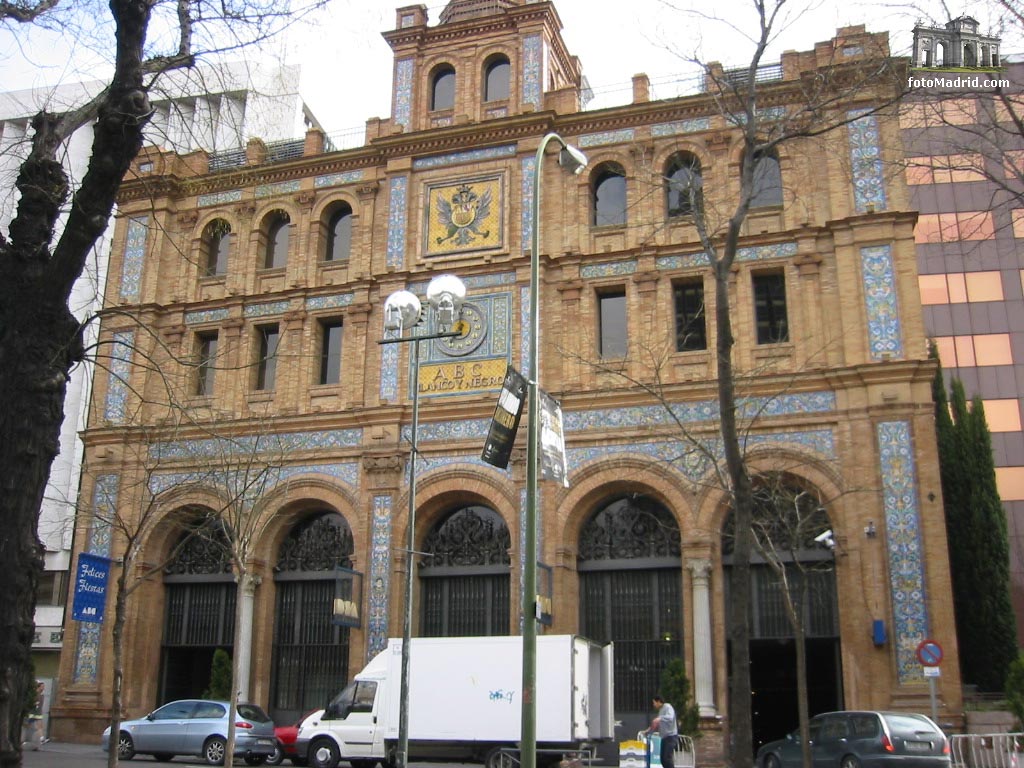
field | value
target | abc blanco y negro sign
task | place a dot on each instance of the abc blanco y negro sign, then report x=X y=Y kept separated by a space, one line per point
x=90 y=588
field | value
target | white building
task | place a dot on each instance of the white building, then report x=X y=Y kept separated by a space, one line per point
x=214 y=109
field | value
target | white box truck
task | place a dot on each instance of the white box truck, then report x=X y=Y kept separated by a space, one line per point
x=465 y=702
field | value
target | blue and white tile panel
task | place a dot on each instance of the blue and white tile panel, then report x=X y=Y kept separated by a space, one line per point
x=403 y=92
x=219 y=198
x=397 y=218
x=866 y=162
x=750 y=253
x=469 y=156
x=533 y=71
x=606 y=137
x=134 y=258
x=114 y=407
x=885 y=337
x=380 y=576
x=337 y=179
x=206 y=316
x=281 y=188
x=903 y=542
x=693 y=125
x=266 y=309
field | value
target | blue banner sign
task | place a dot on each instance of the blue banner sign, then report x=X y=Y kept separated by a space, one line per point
x=90 y=588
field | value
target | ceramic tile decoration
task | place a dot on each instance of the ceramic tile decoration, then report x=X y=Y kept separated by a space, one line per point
x=469 y=156
x=285 y=442
x=389 y=372
x=524 y=332
x=281 y=188
x=104 y=502
x=533 y=54
x=611 y=269
x=206 y=316
x=134 y=257
x=526 y=195
x=219 y=198
x=750 y=253
x=397 y=217
x=380 y=576
x=464 y=215
x=606 y=137
x=335 y=301
x=118 y=372
x=403 y=92
x=677 y=127
x=264 y=310
x=337 y=179
x=866 y=163
x=885 y=338
x=261 y=479
x=903 y=543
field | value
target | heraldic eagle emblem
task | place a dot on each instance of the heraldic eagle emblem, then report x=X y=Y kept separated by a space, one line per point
x=463 y=216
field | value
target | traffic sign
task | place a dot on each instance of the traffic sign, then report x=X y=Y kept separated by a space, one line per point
x=932 y=672
x=929 y=653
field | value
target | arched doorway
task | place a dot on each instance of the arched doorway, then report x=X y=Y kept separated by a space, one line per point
x=631 y=594
x=464 y=574
x=199 y=613
x=310 y=654
x=788 y=523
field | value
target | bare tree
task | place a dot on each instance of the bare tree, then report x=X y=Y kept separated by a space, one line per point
x=56 y=224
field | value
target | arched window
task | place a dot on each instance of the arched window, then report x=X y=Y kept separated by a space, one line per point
x=310 y=654
x=767 y=181
x=442 y=91
x=465 y=574
x=497 y=74
x=216 y=247
x=683 y=184
x=631 y=593
x=279 y=229
x=339 y=233
x=609 y=204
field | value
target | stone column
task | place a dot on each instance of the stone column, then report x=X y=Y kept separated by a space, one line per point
x=244 y=650
x=703 y=667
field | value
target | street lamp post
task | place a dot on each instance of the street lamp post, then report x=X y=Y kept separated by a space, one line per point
x=574 y=162
x=403 y=309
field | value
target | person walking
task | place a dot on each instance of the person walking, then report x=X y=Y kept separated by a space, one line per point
x=34 y=721
x=665 y=723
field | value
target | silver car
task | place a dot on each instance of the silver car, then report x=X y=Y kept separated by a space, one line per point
x=196 y=727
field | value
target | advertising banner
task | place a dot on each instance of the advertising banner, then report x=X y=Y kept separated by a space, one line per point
x=90 y=588
x=502 y=434
x=553 y=464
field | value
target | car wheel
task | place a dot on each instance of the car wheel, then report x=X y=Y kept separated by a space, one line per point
x=771 y=761
x=164 y=757
x=255 y=759
x=849 y=761
x=323 y=753
x=278 y=757
x=496 y=758
x=213 y=750
x=125 y=747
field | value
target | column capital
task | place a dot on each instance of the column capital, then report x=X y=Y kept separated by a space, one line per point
x=700 y=569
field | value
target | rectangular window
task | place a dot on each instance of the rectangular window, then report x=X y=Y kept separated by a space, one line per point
x=770 y=308
x=691 y=328
x=974 y=351
x=266 y=365
x=960 y=287
x=53 y=588
x=612 y=316
x=330 y=352
x=206 y=354
x=954 y=227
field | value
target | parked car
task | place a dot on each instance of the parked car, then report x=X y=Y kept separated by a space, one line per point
x=286 y=735
x=196 y=727
x=863 y=740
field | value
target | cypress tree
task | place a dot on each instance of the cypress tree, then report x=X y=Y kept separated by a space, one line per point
x=977 y=534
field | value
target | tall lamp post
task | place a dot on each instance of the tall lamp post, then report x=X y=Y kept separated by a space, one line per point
x=573 y=161
x=403 y=310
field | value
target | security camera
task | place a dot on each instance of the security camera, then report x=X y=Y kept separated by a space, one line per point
x=826 y=539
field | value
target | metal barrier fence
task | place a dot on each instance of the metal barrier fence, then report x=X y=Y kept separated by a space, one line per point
x=991 y=750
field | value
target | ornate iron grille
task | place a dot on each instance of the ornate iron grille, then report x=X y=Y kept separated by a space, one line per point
x=631 y=593
x=310 y=655
x=203 y=552
x=464 y=575
x=200 y=615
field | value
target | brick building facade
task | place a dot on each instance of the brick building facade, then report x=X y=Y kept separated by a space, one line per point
x=251 y=298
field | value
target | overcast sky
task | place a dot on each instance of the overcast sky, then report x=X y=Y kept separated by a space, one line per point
x=346 y=65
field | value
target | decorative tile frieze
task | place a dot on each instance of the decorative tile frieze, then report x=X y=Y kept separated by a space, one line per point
x=380 y=576
x=693 y=125
x=256 y=481
x=389 y=372
x=337 y=179
x=611 y=269
x=104 y=503
x=866 y=162
x=526 y=195
x=469 y=156
x=134 y=258
x=465 y=429
x=621 y=136
x=264 y=310
x=256 y=445
x=281 y=188
x=749 y=253
x=118 y=371
x=206 y=316
x=885 y=337
x=336 y=301
x=397 y=218
x=533 y=57
x=219 y=198
x=903 y=544
x=403 y=92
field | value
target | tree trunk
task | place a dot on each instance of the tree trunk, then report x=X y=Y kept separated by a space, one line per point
x=39 y=337
x=117 y=651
